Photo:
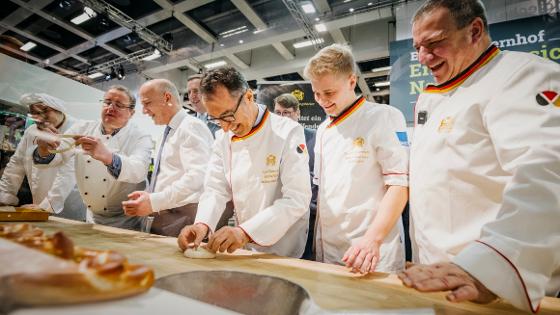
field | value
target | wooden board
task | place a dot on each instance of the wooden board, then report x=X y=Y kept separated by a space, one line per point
x=331 y=287
x=21 y=214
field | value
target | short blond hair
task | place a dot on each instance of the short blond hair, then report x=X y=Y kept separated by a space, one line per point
x=333 y=59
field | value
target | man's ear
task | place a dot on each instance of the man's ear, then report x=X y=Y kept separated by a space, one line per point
x=477 y=30
x=250 y=95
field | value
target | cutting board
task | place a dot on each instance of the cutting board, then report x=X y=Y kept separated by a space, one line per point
x=21 y=214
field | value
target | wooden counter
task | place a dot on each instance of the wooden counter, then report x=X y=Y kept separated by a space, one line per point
x=331 y=287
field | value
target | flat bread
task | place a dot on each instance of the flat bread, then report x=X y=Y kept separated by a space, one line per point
x=7 y=209
x=199 y=253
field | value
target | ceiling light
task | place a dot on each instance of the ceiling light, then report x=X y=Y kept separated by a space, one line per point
x=346 y=1
x=86 y=15
x=120 y=73
x=321 y=27
x=370 y=3
x=222 y=45
x=258 y=31
x=381 y=69
x=382 y=84
x=216 y=64
x=28 y=46
x=241 y=41
x=351 y=10
x=308 y=8
x=153 y=56
x=317 y=19
x=95 y=75
x=308 y=43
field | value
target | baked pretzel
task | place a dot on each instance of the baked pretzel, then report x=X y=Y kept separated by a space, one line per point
x=86 y=274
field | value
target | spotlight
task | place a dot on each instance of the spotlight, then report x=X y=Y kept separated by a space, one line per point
x=65 y=4
x=121 y=74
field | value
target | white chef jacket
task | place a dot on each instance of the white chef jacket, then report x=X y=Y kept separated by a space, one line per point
x=357 y=155
x=183 y=163
x=40 y=179
x=489 y=150
x=266 y=174
x=101 y=192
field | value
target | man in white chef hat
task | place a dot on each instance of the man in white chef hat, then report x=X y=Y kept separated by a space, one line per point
x=49 y=114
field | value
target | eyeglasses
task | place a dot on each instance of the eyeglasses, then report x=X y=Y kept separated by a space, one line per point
x=116 y=105
x=227 y=117
x=286 y=113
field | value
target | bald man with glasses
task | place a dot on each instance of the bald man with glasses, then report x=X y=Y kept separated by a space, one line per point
x=260 y=161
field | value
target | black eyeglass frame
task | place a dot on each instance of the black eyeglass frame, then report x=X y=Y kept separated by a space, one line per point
x=230 y=117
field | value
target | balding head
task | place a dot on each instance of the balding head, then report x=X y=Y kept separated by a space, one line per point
x=160 y=100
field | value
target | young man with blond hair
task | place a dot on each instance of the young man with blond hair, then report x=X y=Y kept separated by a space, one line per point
x=361 y=167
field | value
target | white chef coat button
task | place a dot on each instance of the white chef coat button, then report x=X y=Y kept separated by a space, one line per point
x=104 y=179
x=105 y=209
x=88 y=161
x=102 y=196
x=89 y=206
x=87 y=177
x=108 y=137
x=85 y=193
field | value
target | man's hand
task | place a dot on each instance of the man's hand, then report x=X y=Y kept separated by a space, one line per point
x=192 y=236
x=95 y=148
x=227 y=239
x=47 y=141
x=362 y=256
x=446 y=277
x=138 y=204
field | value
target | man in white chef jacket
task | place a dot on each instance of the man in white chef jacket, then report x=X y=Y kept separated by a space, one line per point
x=484 y=170
x=50 y=118
x=110 y=162
x=261 y=162
x=180 y=164
x=361 y=168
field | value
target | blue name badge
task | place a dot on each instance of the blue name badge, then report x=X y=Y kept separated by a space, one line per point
x=403 y=138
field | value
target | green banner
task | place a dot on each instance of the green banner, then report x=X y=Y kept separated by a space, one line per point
x=538 y=35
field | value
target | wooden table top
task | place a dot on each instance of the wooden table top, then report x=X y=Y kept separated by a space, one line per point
x=331 y=287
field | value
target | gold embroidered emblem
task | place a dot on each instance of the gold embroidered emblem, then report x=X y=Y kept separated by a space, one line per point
x=359 y=142
x=298 y=94
x=446 y=124
x=270 y=160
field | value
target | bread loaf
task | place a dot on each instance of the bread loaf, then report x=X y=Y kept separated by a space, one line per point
x=39 y=269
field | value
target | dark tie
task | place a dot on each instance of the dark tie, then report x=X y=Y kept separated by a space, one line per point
x=158 y=159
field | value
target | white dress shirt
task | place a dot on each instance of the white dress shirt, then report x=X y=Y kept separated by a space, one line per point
x=182 y=167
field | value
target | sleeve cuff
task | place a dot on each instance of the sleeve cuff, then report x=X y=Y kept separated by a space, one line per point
x=115 y=167
x=396 y=179
x=494 y=270
x=42 y=160
x=158 y=201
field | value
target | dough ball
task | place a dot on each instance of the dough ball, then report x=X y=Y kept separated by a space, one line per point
x=199 y=253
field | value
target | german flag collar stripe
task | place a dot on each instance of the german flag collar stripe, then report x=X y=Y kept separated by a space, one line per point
x=347 y=112
x=488 y=55
x=254 y=130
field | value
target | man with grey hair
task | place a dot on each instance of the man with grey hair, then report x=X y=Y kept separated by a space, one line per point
x=49 y=114
x=484 y=175
x=180 y=164
x=112 y=162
